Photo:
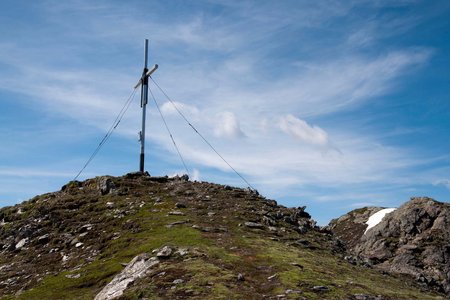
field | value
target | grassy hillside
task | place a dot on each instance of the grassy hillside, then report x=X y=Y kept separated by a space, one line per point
x=227 y=243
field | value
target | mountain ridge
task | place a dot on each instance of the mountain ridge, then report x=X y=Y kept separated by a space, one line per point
x=224 y=242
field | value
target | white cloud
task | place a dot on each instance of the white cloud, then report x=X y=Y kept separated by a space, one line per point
x=171 y=109
x=227 y=125
x=303 y=132
x=444 y=182
x=228 y=67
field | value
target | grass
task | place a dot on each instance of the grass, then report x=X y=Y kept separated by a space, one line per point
x=215 y=259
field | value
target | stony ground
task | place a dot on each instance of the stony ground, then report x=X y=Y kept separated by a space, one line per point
x=170 y=238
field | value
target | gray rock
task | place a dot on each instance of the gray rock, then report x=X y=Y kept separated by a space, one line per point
x=43 y=239
x=269 y=221
x=105 y=185
x=272 y=277
x=320 y=288
x=367 y=297
x=137 y=268
x=182 y=251
x=164 y=252
x=176 y=213
x=180 y=205
x=240 y=277
x=413 y=240
x=177 y=223
x=21 y=243
x=254 y=225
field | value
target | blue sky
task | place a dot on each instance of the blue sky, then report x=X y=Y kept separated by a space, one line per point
x=330 y=104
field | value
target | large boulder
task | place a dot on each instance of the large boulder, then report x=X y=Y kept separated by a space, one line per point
x=137 y=268
x=414 y=240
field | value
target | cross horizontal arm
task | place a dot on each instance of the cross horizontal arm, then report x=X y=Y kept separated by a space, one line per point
x=149 y=73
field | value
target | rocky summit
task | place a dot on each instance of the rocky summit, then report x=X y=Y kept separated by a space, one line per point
x=144 y=237
x=413 y=240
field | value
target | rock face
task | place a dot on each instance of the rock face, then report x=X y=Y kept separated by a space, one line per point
x=412 y=240
x=351 y=226
x=137 y=268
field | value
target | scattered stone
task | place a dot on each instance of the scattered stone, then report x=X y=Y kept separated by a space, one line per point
x=272 y=277
x=254 y=225
x=21 y=243
x=177 y=223
x=110 y=204
x=161 y=274
x=180 y=205
x=210 y=229
x=367 y=297
x=78 y=245
x=269 y=221
x=289 y=291
x=43 y=239
x=301 y=229
x=73 y=276
x=159 y=179
x=178 y=281
x=182 y=251
x=297 y=265
x=164 y=252
x=210 y=214
x=320 y=288
x=176 y=213
x=85 y=227
x=240 y=277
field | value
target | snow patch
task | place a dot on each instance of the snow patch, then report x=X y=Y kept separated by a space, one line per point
x=377 y=217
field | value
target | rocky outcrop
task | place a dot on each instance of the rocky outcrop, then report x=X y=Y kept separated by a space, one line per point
x=137 y=268
x=351 y=226
x=412 y=240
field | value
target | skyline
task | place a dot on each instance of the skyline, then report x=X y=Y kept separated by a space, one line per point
x=329 y=105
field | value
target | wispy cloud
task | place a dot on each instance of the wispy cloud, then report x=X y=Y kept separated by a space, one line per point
x=265 y=83
x=227 y=125
x=443 y=182
x=303 y=132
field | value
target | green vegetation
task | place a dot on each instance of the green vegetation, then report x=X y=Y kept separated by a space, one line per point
x=136 y=219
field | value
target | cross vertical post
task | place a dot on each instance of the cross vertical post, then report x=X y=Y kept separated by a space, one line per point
x=144 y=100
x=143 y=82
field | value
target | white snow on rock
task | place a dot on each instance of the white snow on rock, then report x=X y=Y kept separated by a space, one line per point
x=377 y=217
